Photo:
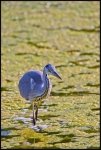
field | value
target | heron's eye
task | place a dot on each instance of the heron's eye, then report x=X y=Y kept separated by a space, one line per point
x=47 y=66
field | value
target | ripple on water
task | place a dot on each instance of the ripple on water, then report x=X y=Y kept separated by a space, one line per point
x=38 y=128
x=28 y=122
x=89 y=129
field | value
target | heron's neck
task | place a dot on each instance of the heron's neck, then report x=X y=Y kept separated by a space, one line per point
x=44 y=73
x=45 y=77
x=46 y=80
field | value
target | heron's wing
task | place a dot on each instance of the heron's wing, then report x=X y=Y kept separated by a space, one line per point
x=31 y=85
x=33 y=89
x=26 y=84
x=36 y=88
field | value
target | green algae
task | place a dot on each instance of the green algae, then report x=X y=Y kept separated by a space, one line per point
x=65 y=34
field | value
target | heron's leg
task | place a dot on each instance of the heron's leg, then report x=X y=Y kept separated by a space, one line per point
x=36 y=112
x=34 y=120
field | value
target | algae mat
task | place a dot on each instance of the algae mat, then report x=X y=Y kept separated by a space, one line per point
x=65 y=34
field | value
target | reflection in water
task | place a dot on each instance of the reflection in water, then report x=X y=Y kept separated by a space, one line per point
x=39 y=128
x=23 y=119
x=89 y=129
x=5 y=133
x=28 y=122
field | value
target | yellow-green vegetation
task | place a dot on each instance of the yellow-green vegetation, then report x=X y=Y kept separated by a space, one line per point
x=65 y=34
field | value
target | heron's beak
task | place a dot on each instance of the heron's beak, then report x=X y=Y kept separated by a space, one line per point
x=57 y=75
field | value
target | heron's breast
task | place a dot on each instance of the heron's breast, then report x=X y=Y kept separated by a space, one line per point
x=46 y=92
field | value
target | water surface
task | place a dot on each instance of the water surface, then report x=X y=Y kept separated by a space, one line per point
x=65 y=34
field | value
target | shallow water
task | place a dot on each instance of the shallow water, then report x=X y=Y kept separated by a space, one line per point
x=65 y=34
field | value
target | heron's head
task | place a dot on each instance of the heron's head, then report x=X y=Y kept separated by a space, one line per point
x=49 y=69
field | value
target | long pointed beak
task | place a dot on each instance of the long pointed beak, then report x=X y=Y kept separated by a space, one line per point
x=57 y=75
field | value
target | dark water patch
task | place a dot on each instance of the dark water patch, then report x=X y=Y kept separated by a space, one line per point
x=52 y=105
x=22 y=31
x=52 y=133
x=8 y=80
x=67 y=138
x=60 y=81
x=45 y=117
x=12 y=44
x=95 y=109
x=73 y=50
x=89 y=53
x=72 y=75
x=58 y=94
x=92 y=147
x=81 y=73
x=97 y=60
x=89 y=30
x=53 y=147
x=79 y=93
x=75 y=93
x=36 y=25
x=69 y=135
x=92 y=85
x=59 y=66
x=94 y=67
x=38 y=45
x=33 y=147
x=34 y=140
x=68 y=87
x=98 y=114
x=23 y=53
x=84 y=73
x=20 y=121
x=5 y=89
x=7 y=129
x=15 y=36
x=91 y=136
x=23 y=146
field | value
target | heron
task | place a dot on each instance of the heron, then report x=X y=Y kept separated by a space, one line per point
x=35 y=85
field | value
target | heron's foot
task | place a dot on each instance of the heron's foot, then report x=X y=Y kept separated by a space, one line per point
x=34 y=121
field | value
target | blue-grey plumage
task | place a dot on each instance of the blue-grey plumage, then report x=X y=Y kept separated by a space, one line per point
x=35 y=85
